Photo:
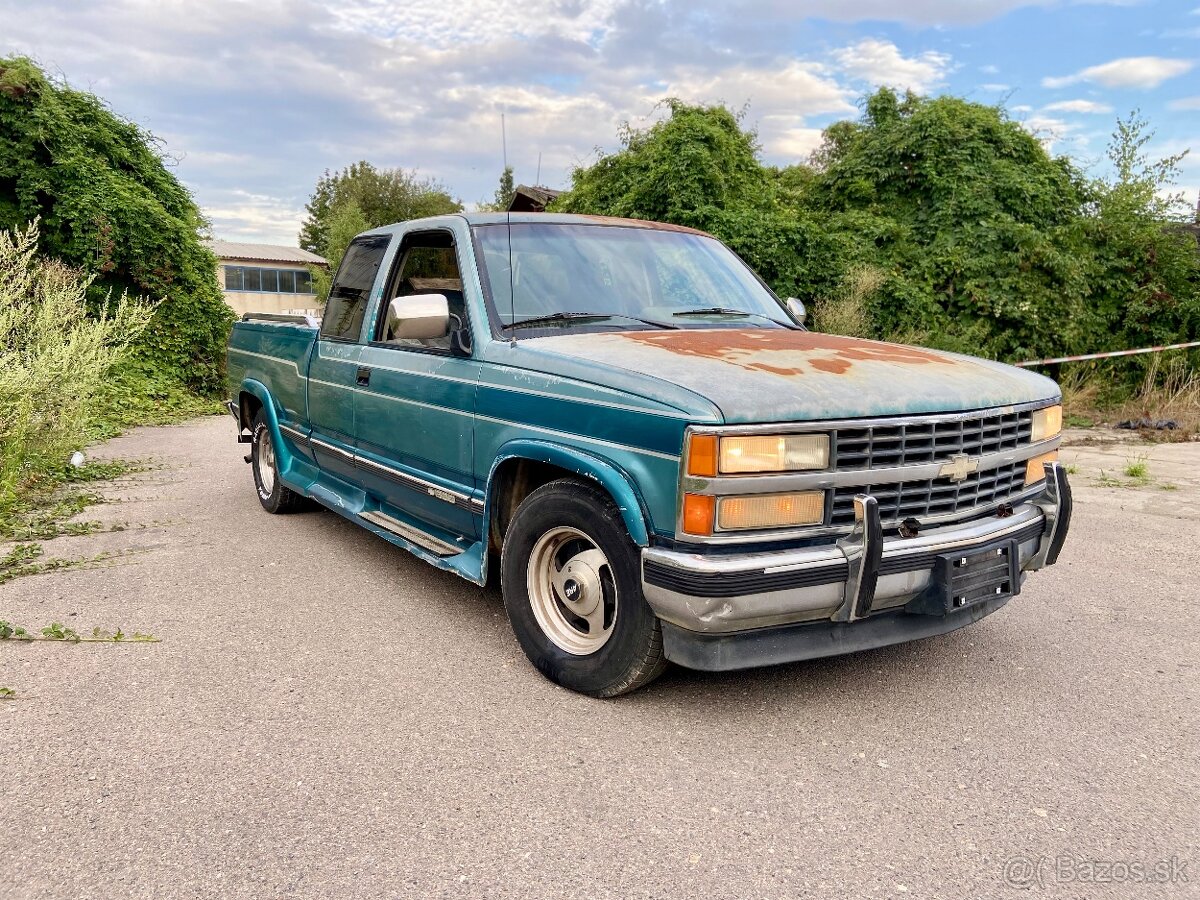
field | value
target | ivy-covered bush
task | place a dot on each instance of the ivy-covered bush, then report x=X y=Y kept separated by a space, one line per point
x=110 y=207
x=939 y=220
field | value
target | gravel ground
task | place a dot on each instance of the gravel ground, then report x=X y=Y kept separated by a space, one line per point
x=327 y=716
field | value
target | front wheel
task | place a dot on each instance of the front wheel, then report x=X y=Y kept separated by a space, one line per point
x=572 y=589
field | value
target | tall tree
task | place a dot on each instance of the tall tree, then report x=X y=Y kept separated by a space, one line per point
x=346 y=221
x=383 y=196
x=504 y=192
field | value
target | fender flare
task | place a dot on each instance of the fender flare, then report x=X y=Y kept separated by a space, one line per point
x=283 y=455
x=610 y=477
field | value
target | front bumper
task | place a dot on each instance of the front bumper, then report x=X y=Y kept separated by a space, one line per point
x=736 y=611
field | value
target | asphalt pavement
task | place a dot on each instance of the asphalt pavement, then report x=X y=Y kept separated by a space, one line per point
x=327 y=716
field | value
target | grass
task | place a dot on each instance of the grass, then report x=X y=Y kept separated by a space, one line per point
x=27 y=559
x=1137 y=469
x=41 y=511
x=1170 y=390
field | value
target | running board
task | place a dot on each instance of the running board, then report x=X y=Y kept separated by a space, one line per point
x=409 y=533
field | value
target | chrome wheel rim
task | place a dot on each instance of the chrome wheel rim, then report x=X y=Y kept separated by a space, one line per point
x=266 y=463
x=572 y=591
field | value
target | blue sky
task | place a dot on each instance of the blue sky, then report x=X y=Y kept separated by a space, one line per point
x=253 y=99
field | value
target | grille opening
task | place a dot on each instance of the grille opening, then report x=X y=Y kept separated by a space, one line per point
x=873 y=447
x=931 y=497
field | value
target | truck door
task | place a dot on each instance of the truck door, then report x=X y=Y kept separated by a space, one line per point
x=333 y=372
x=414 y=407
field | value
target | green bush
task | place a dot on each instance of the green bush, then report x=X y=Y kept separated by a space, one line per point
x=54 y=360
x=974 y=237
x=109 y=206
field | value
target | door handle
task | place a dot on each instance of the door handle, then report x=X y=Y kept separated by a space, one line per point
x=364 y=376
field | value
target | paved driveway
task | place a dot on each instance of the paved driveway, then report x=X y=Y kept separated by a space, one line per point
x=329 y=717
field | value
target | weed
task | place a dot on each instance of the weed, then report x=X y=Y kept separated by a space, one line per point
x=41 y=512
x=7 y=693
x=1072 y=469
x=56 y=631
x=22 y=560
x=1137 y=469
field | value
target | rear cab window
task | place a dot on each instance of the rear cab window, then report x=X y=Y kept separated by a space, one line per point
x=351 y=291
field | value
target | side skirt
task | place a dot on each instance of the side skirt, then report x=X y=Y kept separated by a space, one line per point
x=464 y=560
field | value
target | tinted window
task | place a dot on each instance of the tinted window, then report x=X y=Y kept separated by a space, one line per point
x=253 y=281
x=270 y=280
x=233 y=278
x=351 y=290
x=287 y=282
x=303 y=283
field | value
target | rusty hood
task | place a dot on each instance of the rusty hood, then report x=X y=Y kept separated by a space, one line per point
x=777 y=375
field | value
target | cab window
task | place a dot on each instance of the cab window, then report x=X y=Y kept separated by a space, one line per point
x=351 y=289
x=427 y=264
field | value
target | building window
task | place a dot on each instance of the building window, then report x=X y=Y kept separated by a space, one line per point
x=269 y=281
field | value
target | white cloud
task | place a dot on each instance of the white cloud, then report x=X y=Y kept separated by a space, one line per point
x=1130 y=72
x=881 y=63
x=989 y=70
x=1079 y=106
x=995 y=88
x=916 y=12
x=1185 y=104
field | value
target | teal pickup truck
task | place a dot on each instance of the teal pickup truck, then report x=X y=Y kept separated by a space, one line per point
x=656 y=456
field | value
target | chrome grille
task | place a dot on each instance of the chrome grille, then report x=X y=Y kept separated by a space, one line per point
x=884 y=446
x=932 y=497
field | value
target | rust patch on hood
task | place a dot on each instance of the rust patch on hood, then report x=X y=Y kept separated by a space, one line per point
x=784 y=352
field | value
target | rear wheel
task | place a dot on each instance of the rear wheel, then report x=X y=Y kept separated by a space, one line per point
x=274 y=497
x=572 y=589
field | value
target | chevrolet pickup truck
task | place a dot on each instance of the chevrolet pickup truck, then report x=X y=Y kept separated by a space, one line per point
x=657 y=457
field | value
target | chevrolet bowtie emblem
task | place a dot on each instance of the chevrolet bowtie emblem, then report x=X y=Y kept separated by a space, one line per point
x=959 y=467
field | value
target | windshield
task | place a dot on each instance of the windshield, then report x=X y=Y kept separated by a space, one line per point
x=640 y=277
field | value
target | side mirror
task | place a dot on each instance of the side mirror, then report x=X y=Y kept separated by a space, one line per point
x=796 y=309
x=417 y=317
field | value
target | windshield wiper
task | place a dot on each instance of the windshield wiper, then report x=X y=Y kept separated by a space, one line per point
x=713 y=311
x=727 y=311
x=569 y=316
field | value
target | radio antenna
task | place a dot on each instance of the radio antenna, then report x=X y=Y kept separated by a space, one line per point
x=512 y=288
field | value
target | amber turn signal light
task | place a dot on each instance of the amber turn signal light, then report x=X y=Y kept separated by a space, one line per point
x=702 y=455
x=698 y=510
x=1033 y=469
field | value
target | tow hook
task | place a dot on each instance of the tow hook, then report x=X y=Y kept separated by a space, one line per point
x=910 y=528
x=247 y=458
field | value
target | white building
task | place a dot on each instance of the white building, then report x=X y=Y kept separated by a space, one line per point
x=265 y=278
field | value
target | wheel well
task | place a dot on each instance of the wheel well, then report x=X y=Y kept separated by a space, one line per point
x=248 y=407
x=513 y=481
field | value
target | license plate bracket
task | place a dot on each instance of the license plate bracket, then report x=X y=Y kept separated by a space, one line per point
x=961 y=580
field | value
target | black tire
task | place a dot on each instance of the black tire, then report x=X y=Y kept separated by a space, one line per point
x=632 y=655
x=277 y=499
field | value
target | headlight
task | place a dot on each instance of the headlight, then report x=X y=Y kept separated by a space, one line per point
x=770 y=511
x=1046 y=423
x=709 y=455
